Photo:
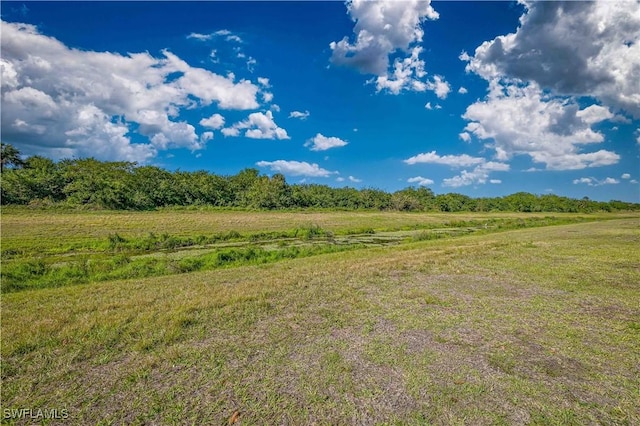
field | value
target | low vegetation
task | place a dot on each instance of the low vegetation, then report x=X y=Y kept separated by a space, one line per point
x=31 y=259
x=420 y=318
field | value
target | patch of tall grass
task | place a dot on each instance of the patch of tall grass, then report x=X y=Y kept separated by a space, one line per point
x=120 y=257
x=33 y=274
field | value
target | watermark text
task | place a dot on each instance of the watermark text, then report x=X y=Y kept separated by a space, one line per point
x=35 y=413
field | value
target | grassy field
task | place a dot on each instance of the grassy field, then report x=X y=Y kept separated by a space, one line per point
x=41 y=249
x=494 y=325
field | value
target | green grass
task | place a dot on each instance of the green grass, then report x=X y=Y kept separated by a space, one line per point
x=29 y=232
x=530 y=326
x=59 y=261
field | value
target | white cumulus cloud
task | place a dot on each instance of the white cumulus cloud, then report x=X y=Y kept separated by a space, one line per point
x=573 y=48
x=295 y=168
x=206 y=137
x=479 y=175
x=465 y=136
x=449 y=160
x=522 y=120
x=299 y=114
x=596 y=182
x=405 y=75
x=230 y=131
x=257 y=126
x=421 y=181
x=431 y=107
x=439 y=86
x=384 y=28
x=216 y=121
x=562 y=56
x=322 y=143
x=267 y=97
x=88 y=103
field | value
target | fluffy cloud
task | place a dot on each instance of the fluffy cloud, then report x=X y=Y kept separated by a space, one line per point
x=449 y=160
x=462 y=90
x=257 y=126
x=89 y=103
x=209 y=87
x=405 y=75
x=295 y=168
x=230 y=131
x=595 y=182
x=216 y=121
x=300 y=115
x=322 y=143
x=465 y=136
x=440 y=87
x=521 y=120
x=626 y=176
x=383 y=28
x=594 y=114
x=354 y=179
x=478 y=175
x=206 y=137
x=421 y=181
x=572 y=48
x=92 y=134
x=562 y=55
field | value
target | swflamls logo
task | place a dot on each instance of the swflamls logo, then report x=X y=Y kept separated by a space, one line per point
x=35 y=413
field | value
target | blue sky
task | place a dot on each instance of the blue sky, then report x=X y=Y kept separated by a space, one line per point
x=480 y=98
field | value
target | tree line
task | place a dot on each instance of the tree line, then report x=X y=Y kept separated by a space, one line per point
x=87 y=182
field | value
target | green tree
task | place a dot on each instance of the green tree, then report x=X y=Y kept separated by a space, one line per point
x=523 y=202
x=270 y=193
x=240 y=185
x=453 y=202
x=374 y=199
x=103 y=184
x=9 y=156
x=154 y=187
x=46 y=181
x=413 y=198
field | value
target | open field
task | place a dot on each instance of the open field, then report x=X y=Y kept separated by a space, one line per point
x=493 y=325
x=23 y=228
x=44 y=249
